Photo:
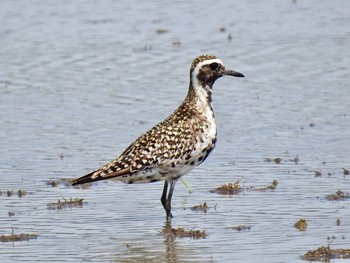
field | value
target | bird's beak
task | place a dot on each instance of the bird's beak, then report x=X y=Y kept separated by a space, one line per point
x=233 y=73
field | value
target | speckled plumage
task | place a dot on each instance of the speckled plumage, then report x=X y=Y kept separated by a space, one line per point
x=176 y=145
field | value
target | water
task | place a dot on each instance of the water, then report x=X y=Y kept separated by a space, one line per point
x=80 y=80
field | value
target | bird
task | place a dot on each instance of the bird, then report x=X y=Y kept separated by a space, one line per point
x=177 y=144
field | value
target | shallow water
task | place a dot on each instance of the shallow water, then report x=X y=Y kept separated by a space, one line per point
x=80 y=80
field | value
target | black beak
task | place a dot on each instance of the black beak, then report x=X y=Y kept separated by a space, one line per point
x=233 y=73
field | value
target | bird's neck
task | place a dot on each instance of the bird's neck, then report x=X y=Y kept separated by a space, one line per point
x=201 y=94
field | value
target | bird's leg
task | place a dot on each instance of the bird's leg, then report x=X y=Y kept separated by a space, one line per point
x=163 y=198
x=166 y=200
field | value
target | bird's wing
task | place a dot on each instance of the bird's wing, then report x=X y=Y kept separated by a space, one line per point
x=161 y=144
x=135 y=158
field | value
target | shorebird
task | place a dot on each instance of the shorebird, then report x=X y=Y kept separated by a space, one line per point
x=176 y=145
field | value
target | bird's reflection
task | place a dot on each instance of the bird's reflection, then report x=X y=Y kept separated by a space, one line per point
x=152 y=250
x=170 y=248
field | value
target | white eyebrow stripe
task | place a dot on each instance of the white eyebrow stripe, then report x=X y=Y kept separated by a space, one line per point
x=205 y=62
x=200 y=65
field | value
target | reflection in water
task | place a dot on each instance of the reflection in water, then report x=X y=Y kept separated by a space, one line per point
x=169 y=242
x=167 y=250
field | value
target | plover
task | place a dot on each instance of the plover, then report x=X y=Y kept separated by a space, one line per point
x=176 y=145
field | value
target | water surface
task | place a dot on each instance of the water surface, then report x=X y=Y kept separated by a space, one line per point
x=81 y=80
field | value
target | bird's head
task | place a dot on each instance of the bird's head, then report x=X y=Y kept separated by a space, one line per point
x=206 y=69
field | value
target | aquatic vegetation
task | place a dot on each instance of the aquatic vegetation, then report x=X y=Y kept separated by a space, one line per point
x=318 y=173
x=276 y=160
x=228 y=189
x=161 y=31
x=296 y=159
x=14 y=237
x=21 y=193
x=325 y=254
x=270 y=187
x=241 y=228
x=201 y=207
x=301 y=224
x=10 y=214
x=182 y=232
x=9 y=193
x=338 y=196
x=77 y=202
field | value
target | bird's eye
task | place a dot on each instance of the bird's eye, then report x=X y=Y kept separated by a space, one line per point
x=213 y=66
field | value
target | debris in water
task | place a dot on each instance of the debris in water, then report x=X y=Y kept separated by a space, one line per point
x=201 y=207
x=161 y=31
x=181 y=232
x=14 y=237
x=338 y=196
x=10 y=193
x=270 y=187
x=67 y=182
x=276 y=160
x=346 y=171
x=232 y=163
x=318 y=173
x=325 y=254
x=240 y=228
x=301 y=224
x=296 y=160
x=228 y=189
x=338 y=222
x=53 y=183
x=21 y=193
x=176 y=42
x=77 y=202
x=10 y=213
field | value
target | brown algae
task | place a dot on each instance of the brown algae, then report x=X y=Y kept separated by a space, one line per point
x=21 y=193
x=338 y=196
x=301 y=224
x=10 y=214
x=182 y=232
x=15 y=237
x=201 y=207
x=318 y=173
x=276 y=160
x=270 y=187
x=240 y=228
x=77 y=202
x=325 y=254
x=228 y=189
x=296 y=160
x=9 y=193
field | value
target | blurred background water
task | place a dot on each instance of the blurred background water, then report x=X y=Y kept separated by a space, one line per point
x=80 y=80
